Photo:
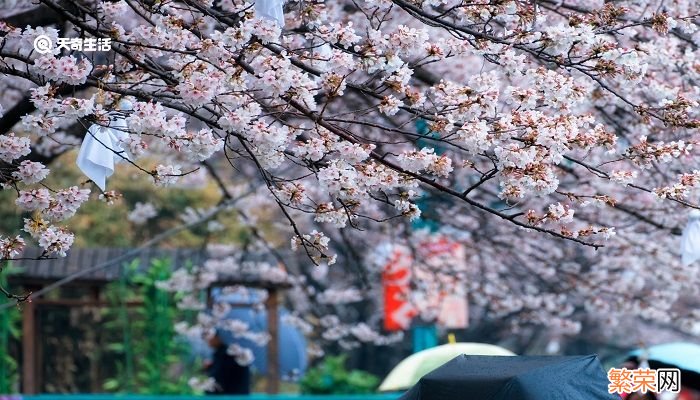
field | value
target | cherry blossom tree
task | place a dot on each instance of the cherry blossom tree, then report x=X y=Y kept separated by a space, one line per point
x=553 y=139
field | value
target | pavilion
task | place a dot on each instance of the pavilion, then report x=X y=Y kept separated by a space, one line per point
x=86 y=292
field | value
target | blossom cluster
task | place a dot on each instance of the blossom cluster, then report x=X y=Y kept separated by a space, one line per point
x=142 y=212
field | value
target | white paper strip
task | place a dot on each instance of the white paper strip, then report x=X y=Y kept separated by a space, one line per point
x=271 y=9
x=690 y=242
x=101 y=147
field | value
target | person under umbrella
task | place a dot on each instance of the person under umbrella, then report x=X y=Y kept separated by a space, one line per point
x=229 y=375
x=684 y=356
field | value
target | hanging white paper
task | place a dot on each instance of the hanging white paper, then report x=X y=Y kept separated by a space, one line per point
x=323 y=54
x=271 y=9
x=101 y=148
x=690 y=242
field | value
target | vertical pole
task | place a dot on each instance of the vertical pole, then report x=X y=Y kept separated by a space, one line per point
x=210 y=299
x=95 y=380
x=28 y=348
x=273 y=370
x=39 y=350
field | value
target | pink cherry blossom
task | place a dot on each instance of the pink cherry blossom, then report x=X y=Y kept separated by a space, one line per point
x=11 y=247
x=55 y=241
x=30 y=172
x=166 y=175
x=13 y=147
x=35 y=199
x=142 y=212
x=527 y=135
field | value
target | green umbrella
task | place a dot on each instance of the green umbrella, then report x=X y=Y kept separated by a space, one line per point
x=411 y=369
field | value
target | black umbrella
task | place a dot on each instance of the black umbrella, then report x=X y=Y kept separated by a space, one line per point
x=515 y=378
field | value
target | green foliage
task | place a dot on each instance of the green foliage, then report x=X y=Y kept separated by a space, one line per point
x=143 y=336
x=9 y=330
x=332 y=377
x=119 y=328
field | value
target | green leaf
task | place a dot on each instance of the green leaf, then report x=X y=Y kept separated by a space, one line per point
x=116 y=347
x=110 y=384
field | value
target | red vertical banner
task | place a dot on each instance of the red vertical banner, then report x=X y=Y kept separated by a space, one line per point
x=396 y=279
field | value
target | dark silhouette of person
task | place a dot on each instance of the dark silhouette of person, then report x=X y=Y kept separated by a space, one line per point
x=230 y=377
x=641 y=396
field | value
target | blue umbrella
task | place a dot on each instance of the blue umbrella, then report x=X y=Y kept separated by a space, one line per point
x=291 y=342
x=682 y=355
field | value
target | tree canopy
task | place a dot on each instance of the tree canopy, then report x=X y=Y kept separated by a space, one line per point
x=554 y=140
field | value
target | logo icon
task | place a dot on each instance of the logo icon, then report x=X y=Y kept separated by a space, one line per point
x=43 y=44
x=644 y=380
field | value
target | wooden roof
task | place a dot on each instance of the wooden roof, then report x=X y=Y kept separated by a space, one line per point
x=80 y=259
